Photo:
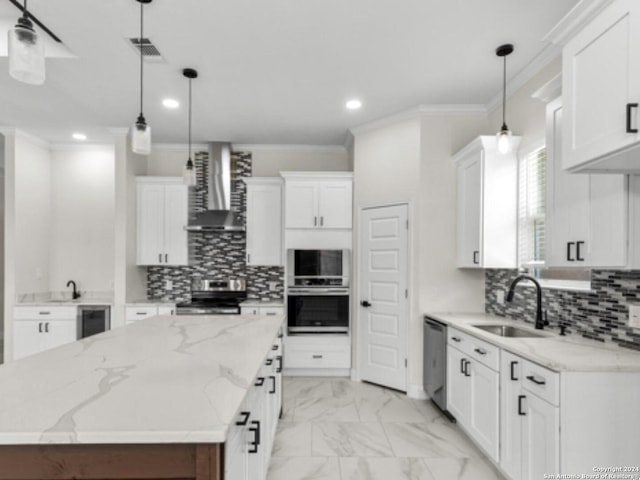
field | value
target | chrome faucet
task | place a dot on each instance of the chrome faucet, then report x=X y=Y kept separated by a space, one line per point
x=76 y=293
x=540 y=323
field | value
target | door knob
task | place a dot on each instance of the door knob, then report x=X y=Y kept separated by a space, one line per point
x=365 y=304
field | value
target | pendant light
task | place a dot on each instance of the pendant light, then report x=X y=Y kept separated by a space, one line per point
x=189 y=173
x=26 y=51
x=504 y=135
x=141 y=132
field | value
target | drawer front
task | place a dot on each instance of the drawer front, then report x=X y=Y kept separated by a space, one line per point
x=249 y=311
x=541 y=381
x=45 y=312
x=297 y=357
x=271 y=311
x=483 y=352
x=138 y=313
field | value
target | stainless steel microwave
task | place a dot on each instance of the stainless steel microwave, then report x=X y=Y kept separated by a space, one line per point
x=318 y=267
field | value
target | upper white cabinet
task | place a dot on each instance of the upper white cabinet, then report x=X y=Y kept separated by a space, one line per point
x=318 y=200
x=586 y=214
x=487 y=205
x=163 y=212
x=601 y=90
x=264 y=221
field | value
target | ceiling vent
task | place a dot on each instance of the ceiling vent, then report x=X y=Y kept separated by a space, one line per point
x=150 y=52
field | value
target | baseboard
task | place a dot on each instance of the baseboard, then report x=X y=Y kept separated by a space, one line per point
x=316 y=372
x=417 y=392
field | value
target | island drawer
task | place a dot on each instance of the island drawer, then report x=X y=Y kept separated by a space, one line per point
x=311 y=355
x=138 y=313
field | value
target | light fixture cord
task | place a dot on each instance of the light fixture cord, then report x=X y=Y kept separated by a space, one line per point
x=140 y=47
x=504 y=90
x=189 y=119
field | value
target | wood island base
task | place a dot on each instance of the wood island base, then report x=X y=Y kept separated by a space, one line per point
x=112 y=462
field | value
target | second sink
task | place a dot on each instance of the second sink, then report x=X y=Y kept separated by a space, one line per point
x=509 y=331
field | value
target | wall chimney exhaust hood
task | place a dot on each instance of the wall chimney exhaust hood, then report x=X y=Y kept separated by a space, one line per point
x=218 y=217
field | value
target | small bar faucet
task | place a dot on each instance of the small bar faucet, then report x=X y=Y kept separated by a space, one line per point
x=76 y=293
x=540 y=323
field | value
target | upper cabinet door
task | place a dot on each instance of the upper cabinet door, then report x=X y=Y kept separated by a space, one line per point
x=301 y=205
x=150 y=229
x=335 y=204
x=469 y=212
x=264 y=222
x=176 y=217
x=601 y=89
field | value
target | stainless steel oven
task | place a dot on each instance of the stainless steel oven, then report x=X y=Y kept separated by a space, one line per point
x=313 y=267
x=318 y=310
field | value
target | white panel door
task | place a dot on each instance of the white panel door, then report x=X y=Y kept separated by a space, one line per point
x=301 y=199
x=150 y=224
x=541 y=438
x=334 y=206
x=27 y=338
x=59 y=332
x=484 y=405
x=470 y=213
x=458 y=385
x=384 y=307
x=176 y=217
x=264 y=225
x=510 y=418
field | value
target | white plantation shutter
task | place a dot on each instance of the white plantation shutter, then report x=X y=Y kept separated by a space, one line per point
x=532 y=179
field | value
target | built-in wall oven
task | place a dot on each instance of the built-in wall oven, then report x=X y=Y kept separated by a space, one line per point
x=318 y=291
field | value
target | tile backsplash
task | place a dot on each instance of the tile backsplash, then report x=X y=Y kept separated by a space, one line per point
x=217 y=254
x=600 y=314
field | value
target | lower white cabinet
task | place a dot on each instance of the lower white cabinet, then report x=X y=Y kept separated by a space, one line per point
x=530 y=422
x=39 y=328
x=473 y=384
x=250 y=439
x=326 y=351
x=134 y=313
x=256 y=310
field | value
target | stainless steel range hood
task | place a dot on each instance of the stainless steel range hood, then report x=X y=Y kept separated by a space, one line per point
x=218 y=216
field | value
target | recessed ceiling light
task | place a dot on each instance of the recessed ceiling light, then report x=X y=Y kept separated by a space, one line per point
x=353 y=104
x=79 y=136
x=170 y=103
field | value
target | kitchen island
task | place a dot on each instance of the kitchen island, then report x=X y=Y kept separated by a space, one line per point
x=155 y=399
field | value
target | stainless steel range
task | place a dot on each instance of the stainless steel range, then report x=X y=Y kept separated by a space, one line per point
x=214 y=297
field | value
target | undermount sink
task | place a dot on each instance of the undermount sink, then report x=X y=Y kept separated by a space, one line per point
x=509 y=331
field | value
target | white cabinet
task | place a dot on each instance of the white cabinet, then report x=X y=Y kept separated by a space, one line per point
x=318 y=200
x=264 y=221
x=163 y=213
x=487 y=205
x=261 y=310
x=530 y=419
x=318 y=352
x=39 y=328
x=601 y=91
x=133 y=313
x=586 y=214
x=473 y=388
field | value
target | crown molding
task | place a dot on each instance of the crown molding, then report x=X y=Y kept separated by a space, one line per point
x=76 y=147
x=40 y=142
x=550 y=90
x=420 y=111
x=246 y=147
x=575 y=20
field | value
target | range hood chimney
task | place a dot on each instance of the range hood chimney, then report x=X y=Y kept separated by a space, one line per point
x=218 y=216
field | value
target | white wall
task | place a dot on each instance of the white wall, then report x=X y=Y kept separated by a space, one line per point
x=82 y=202
x=2 y=273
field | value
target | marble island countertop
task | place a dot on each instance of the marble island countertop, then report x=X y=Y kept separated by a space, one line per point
x=163 y=380
x=558 y=353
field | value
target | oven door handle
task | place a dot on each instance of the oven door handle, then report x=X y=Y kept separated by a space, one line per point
x=319 y=291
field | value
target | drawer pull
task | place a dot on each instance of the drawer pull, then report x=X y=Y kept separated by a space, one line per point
x=44 y=313
x=316 y=356
x=279 y=368
x=141 y=313
x=244 y=421
x=271 y=314
x=274 y=347
x=480 y=351
x=259 y=382
x=513 y=375
x=456 y=339
x=536 y=381
x=269 y=361
x=520 y=398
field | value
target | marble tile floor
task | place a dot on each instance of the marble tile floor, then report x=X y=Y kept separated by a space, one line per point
x=336 y=429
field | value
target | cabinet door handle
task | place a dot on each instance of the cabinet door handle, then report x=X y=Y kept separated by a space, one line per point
x=630 y=106
x=39 y=327
x=259 y=382
x=273 y=384
x=315 y=221
x=476 y=255
x=466 y=368
x=513 y=375
x=159 y=258
x=456 y=339
x=578 y=257
x=244 y=421
x=256 y=436
x=279 y=368
x=248 y=258
x=166 y=258
x=536 y=381
x=520 y=398
x=569 y=259
x=462 y=360
x=321 y=220
x=46 y=327
x=480 y=351
x=316 y=356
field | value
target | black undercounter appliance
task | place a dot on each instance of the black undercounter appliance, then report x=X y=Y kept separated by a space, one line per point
x=435 y=363
x=214 y=297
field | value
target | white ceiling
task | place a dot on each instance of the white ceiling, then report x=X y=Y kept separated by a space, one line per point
x=271 y=71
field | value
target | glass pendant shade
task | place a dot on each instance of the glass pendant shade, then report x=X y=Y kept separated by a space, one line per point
x=141 y=137
x=504 y=140
x=189 y=174
x=26 y=53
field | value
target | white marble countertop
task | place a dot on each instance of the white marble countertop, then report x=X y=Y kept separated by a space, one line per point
x=561 y=354
x=256 y=302
x=149 y=303
x=163 y=380
x=66 y=302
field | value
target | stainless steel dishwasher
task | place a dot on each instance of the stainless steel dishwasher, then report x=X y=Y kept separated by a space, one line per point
x=434 y=373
